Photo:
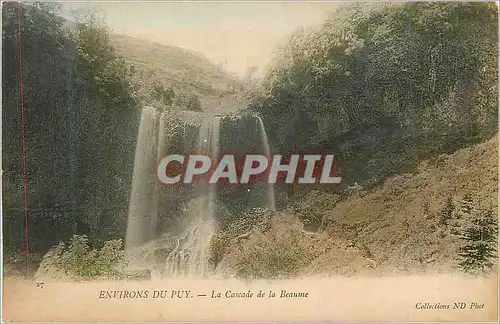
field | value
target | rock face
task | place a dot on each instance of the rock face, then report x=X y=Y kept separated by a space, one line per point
x=391 y=229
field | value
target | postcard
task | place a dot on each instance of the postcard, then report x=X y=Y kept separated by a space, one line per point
x=249 y=161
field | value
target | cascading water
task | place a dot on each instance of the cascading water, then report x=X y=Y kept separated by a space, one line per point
x=142 y=215
x=190 y=255
x=271 y=200
x=160 y=154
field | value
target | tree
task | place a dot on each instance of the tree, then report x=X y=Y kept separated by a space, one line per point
x=110 y=123
x=446 y=213
x=48 y=124
x=163 y=94
x=51 y=7
x=79 y=112
x=188 y=101
x=466 y=207
x=424 y=70
x=99 y=63
x=478 y=253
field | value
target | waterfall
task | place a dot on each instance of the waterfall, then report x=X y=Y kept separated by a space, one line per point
x=190 y=255
x=160 y=154
x=271 y=200
x=192 y=235
x=142 y=215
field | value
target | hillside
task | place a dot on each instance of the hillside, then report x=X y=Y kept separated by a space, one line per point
x=408 y=145
x=79 y=125
x=391 y=229
x=169 y=66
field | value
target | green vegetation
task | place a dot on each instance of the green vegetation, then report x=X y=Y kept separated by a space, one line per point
x=479 y=236
x=219 y=244
x=384 y=86
x=447 y=212
x=188 y=101
x=381 y=86
x=478 y=253
x=313 y=209
x=99 y=64
x=466 y=207
x=81 y=121
x=78 y=260
x=477 y=229
x=163 y=94
x=272 y=258
x=190 y=75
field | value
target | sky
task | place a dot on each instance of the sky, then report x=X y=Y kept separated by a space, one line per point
x=236 y=34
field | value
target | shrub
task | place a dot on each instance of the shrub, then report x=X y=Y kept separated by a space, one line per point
x=163 y=94
x=466 y=207
x=446 y=213
x=478 y=252
x=219 y=244
x=313 y=210
x=247 y=219
x=79 y=260
x=274 y=258
x=188 y=100
x=354 y=189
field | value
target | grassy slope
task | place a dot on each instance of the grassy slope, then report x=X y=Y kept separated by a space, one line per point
x=176 y=67
x=387 y=229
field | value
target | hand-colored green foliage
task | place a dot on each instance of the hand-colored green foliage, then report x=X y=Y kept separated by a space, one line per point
x=447 y=212
x=98 y=62
x=79 y=260
x=80 y=128
x=188 y=101
x=163 y=94
x=386 y=85
x=219 y=244
x=273 y=258
x=480 y=239
x=314 y=209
